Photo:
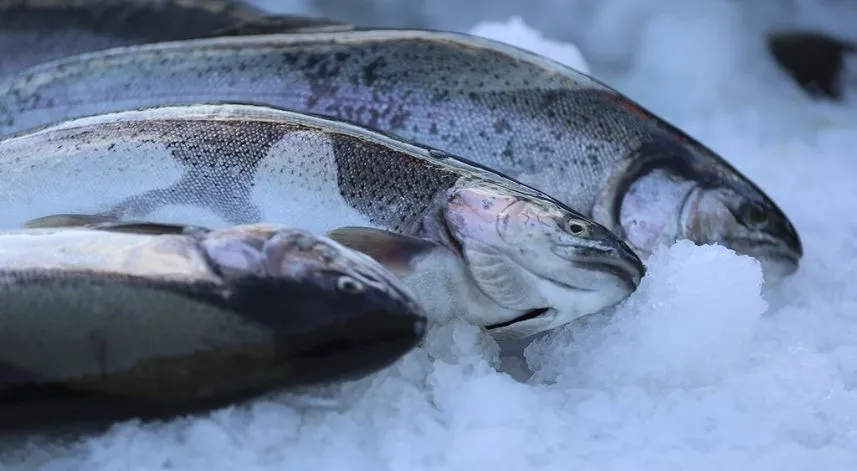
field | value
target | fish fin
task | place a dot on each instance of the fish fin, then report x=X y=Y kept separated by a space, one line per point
x=816 y=61
x=394 y=251
x=110 y=223
x=68 y=220
x=507 y=284
x=283 y=24
x=147 y=227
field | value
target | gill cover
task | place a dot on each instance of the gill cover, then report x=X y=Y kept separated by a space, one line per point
x=475 y=218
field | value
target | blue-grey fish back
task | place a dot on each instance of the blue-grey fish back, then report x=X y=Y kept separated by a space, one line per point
x=35 y=31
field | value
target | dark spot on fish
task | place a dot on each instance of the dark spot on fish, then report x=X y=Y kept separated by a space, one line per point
x=389 y=187
x=370 y=72
x=398 y=120
x=219 y=159
x=502 y=125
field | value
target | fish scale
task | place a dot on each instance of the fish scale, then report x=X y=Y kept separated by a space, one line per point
x=220 y=161
x=515 y=112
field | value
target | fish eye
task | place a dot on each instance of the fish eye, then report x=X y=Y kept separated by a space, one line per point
x=754 y=214
x=349 y=285
x=576 y=227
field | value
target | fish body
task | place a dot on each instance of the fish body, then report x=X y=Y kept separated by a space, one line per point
x=224 y=164
x=35 y=31
x=526 y=116
x=816 y=61
x=114 y=323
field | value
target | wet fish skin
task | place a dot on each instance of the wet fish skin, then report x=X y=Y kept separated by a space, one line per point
x=215 y=165
x=37 y=31
x=108 y=324
x=528 y=117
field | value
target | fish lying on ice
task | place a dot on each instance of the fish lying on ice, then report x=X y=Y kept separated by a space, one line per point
x=35 y=31
x=531 y=263
x=533 y=119
x=116 y=321
x=816 y=61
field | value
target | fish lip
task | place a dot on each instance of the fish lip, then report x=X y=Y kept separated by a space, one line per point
x=760 y=249
x=627 y=267
x=631 y=278
x=529 y=315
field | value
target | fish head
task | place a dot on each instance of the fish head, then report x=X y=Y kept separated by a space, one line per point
x=531 y=253
x=745 y=220
x=334 y=305
x=724 y=207
x=288 y=253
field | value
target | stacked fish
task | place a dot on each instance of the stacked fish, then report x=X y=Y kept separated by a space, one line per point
x=204 y=201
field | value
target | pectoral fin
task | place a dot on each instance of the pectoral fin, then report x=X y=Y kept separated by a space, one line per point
x=112 y=224
x=283 y=24
x=68 y=220
x=145 y=227
x=394 y=251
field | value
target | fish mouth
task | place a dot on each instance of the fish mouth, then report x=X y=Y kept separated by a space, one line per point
x=529 y=315
x=626 y=273
x=785 y=258
x=354 y=348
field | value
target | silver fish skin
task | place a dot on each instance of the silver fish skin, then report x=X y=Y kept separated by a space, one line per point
x=526 y=116
x=224 y=164
x=35 y=31
x=135 y=322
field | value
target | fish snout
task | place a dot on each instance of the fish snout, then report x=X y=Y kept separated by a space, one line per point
x=791 y=240
x=610 y=266
x=628 y=264
x=338 y=326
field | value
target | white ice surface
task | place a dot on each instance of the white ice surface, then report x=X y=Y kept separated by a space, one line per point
x=516 y=32
x=702 y=369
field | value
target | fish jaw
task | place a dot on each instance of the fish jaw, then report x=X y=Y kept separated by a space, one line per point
x=534 y=256
x=752 y=227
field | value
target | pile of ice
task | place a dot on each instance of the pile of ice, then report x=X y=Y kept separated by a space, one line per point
x=704 y=368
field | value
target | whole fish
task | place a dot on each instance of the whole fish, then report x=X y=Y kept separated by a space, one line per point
x=120 y=320
x=531 y=263
x=35 y=31
x=526 y=116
